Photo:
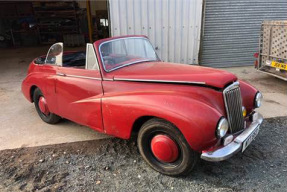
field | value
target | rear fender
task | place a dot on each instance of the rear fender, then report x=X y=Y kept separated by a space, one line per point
x=44 y=79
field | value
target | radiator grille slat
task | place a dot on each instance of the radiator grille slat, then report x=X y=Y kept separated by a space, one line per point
x=233 y=105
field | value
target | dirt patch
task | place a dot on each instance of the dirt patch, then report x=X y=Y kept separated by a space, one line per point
x=245 y=71
x=272 y=101
x=115 y=165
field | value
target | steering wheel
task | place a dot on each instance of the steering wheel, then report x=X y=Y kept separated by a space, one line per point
x=108 y=60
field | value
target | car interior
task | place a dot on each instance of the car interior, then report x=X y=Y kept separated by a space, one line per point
x=72 y=59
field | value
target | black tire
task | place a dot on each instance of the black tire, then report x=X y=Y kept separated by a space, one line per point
x=51 y=118
x=187 y=157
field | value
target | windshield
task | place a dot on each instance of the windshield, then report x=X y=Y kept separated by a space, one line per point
x=126 y=51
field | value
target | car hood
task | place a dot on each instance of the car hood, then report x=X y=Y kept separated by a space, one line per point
x=174 y=72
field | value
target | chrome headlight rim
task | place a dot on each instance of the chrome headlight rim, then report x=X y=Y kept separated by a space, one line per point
x=222 y=127
x=258 y=99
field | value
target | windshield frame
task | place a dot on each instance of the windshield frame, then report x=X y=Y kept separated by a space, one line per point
x=131 y=63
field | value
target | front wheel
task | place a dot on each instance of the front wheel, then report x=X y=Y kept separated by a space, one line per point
x=165 y=149
x=42 y=108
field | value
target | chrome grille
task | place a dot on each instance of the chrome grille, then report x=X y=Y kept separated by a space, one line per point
x=233 y=106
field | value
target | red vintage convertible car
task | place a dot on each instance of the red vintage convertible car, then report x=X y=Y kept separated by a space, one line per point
x=120 y=87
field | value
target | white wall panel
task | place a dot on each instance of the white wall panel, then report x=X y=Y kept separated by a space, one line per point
x=173 y=26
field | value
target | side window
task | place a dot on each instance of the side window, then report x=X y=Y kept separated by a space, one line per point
x=55 y=55
x=91 y=59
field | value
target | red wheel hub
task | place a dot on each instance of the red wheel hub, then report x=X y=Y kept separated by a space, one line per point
x=164 y=148
x=43 y=105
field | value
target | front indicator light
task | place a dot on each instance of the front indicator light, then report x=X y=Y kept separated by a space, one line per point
x=244 y=112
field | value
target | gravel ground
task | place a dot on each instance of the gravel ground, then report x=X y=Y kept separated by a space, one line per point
x=115 y=165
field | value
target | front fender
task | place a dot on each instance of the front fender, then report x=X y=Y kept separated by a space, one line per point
x=196 y=120
x=248 y=94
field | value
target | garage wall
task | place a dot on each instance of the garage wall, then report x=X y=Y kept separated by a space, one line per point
x=95 y=5
x=231 y=29
x=173 y=26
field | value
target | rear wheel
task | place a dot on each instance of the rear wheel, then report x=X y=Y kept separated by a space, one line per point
x=42 y=108
x=165 y=149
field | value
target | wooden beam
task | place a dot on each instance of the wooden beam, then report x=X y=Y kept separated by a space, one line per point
x=90 y=24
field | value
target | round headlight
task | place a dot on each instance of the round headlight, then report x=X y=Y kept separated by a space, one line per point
x=222 y=127
x=258 y=100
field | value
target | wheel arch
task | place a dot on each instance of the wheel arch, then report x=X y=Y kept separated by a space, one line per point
x=138 y=123
x=32 y=90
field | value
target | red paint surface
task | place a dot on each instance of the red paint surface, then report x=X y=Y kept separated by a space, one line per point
x=174 y=72
x=114 y=106
x=164 y=148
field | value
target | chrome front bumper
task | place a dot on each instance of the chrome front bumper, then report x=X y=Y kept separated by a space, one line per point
x=235 y=146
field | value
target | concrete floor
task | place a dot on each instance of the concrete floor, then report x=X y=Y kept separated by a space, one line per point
x=20 y=125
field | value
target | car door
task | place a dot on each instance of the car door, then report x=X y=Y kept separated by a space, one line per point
x=79 y=92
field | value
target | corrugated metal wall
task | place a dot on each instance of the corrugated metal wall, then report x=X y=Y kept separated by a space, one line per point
x=173 y=26
x=231 y=29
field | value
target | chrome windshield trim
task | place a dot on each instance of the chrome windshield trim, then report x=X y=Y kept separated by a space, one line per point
x=160 y=81
x=102 y=60
x=78 y=76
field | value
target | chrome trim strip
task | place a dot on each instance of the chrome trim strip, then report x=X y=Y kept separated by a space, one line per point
x=107 y=79
x=232 y=86
x=78 y=76
x=159 y=81
x=61 y=74
x=235 y=146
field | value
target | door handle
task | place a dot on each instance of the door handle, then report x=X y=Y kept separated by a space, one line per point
x=61 y=74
